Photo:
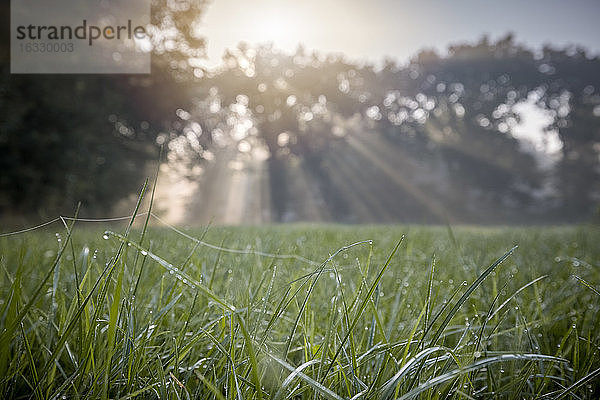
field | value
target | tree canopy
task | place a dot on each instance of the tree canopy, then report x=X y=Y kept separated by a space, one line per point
x=425 y=141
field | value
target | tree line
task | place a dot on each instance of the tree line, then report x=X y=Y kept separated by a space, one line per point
x=443 y=123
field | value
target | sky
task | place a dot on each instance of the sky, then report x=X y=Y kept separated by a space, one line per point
x=374 y=29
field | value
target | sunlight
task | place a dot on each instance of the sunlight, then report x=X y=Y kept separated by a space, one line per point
x=276 y=27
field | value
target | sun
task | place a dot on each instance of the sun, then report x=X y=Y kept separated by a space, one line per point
x=276 y=26
x=273 y=27
x=229 y=22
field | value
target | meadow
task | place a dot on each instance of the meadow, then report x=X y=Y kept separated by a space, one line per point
x=300 y=311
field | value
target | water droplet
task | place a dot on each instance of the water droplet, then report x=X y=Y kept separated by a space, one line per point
x=144 y=252
x=171 y=272
x=105 y=236
x=464 y=283
x=477 y=354
x=501 y=370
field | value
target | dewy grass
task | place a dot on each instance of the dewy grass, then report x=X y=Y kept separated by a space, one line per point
x=164 y=313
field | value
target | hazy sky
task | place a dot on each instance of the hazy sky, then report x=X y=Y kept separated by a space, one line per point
x=372 y=29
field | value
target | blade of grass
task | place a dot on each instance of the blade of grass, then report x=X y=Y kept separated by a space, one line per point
x=362 y=308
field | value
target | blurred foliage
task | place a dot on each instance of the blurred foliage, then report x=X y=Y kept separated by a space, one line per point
x=440 y=127
x=448 y=122
x=88 y=138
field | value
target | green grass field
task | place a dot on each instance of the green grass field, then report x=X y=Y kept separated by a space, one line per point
x=290 y=312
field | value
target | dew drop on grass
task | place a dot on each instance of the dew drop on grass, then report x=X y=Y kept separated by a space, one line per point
x=477 y=354
x=464 y=283
x=105 y=236
x=144 y=252
x=501 y=370
x=171 y=272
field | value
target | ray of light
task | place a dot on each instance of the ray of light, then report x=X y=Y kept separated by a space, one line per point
x=380 y=154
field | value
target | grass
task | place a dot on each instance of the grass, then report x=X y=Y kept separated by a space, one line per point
x=300 y=311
